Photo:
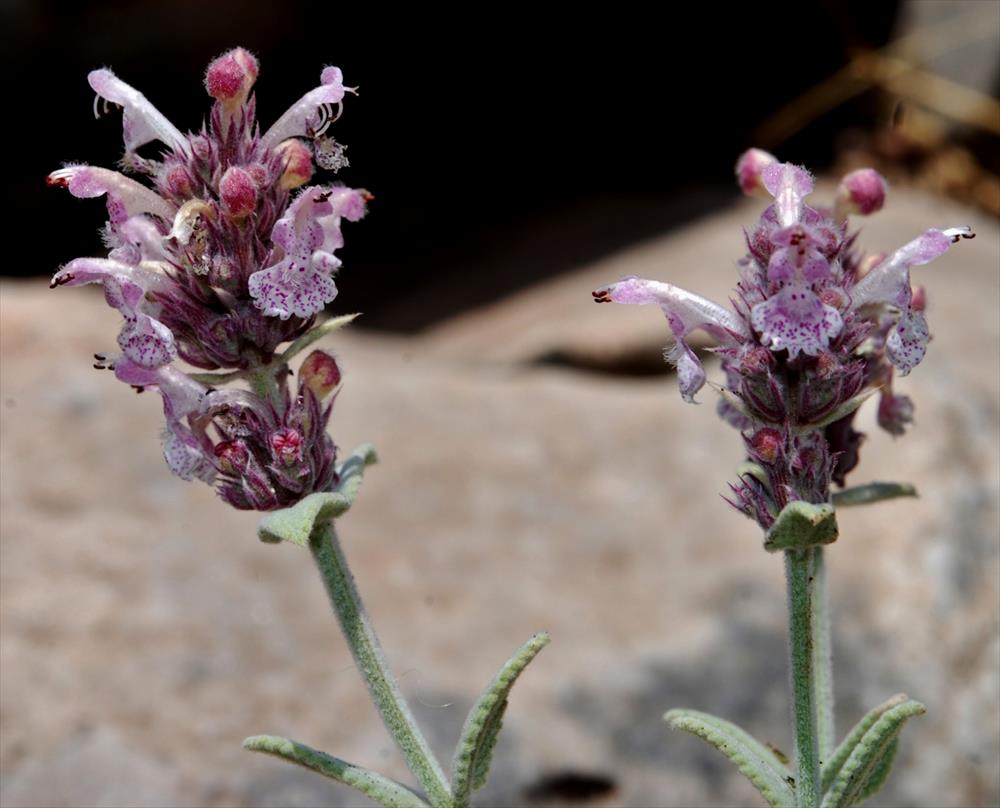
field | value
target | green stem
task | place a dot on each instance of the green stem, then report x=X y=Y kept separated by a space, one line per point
x=799 y=567
x=368 y=655
x=822 y=659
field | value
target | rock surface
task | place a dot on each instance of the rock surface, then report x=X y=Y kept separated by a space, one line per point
x=531 y=477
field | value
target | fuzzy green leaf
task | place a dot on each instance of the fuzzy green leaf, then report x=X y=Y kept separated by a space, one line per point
x=801 y=525
x=872 y=492
x=862 y=761
x=317 y=333
x=482 y=726
x=755 y=470
x=843 y=410
x=295 y=524
x=372 y=784
x=880 y=772
x=754 y=760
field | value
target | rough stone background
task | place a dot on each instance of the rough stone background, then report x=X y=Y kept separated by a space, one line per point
x=530 y=478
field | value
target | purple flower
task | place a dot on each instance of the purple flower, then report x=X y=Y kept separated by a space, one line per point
x=810 y=332
x=300 y=283
x=210 y=261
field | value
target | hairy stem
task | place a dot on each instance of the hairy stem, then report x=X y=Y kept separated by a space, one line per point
x=368 y=655
x=799 y=568
x=822 y=658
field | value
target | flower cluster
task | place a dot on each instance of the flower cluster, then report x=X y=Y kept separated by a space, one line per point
x=224 y=255
x=816 y=328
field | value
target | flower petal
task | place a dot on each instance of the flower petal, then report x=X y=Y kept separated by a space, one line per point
x=304 y=116
x=797 y=320
x=789 y=185
x=141 y=121
x=889 y=281
x=286 y=289
x=81 y=271
x=184 y=454
x=145 y=341
x=693 y=310
x=685 y=312
x=182 y=396
x=299 y=283
x=906 y=344
x=126 y=197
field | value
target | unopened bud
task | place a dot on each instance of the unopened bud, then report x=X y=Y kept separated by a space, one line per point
x=756 y=360
x=286 y=445
x=919 y=300
x=749 y=169
x=826 y=365
x=232 y=456
x=296 y=158
x=258 y=173
x=201 y=147
x=238 y=192
x=767 y=444
x=178 y=181
x=230 y=77
x=861 y=192
x=320 y=373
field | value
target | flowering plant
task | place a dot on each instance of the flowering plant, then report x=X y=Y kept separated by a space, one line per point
x=224 y=257
x=816 y=329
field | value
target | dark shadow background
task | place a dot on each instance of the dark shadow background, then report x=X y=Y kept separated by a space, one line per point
x=503 y=143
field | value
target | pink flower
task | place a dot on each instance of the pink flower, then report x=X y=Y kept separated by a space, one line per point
x=209 y=263
x=811 y=329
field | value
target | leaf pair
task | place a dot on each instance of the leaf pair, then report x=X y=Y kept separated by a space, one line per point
x=858 y=768
x=472 y=757
x=298 y=525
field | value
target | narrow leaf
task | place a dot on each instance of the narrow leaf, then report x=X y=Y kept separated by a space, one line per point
x=295 y=524
x=314 y=334
x=844 y=409
x=872 y=492
x=867 y=764
x=880 y=772
x=754 y=760
x=372 y=784
x=832 y=767
x=482 y=726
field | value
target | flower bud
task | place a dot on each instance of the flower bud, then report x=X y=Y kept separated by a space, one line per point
x=320 y=373
x=749 y=169
x=238 y=192
x=296 y=157
x=232 y=457
x=894 y=412
x=861 y=192
x=230 y=77
x=767 y=444
x=178 y=181
x=286 y=446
